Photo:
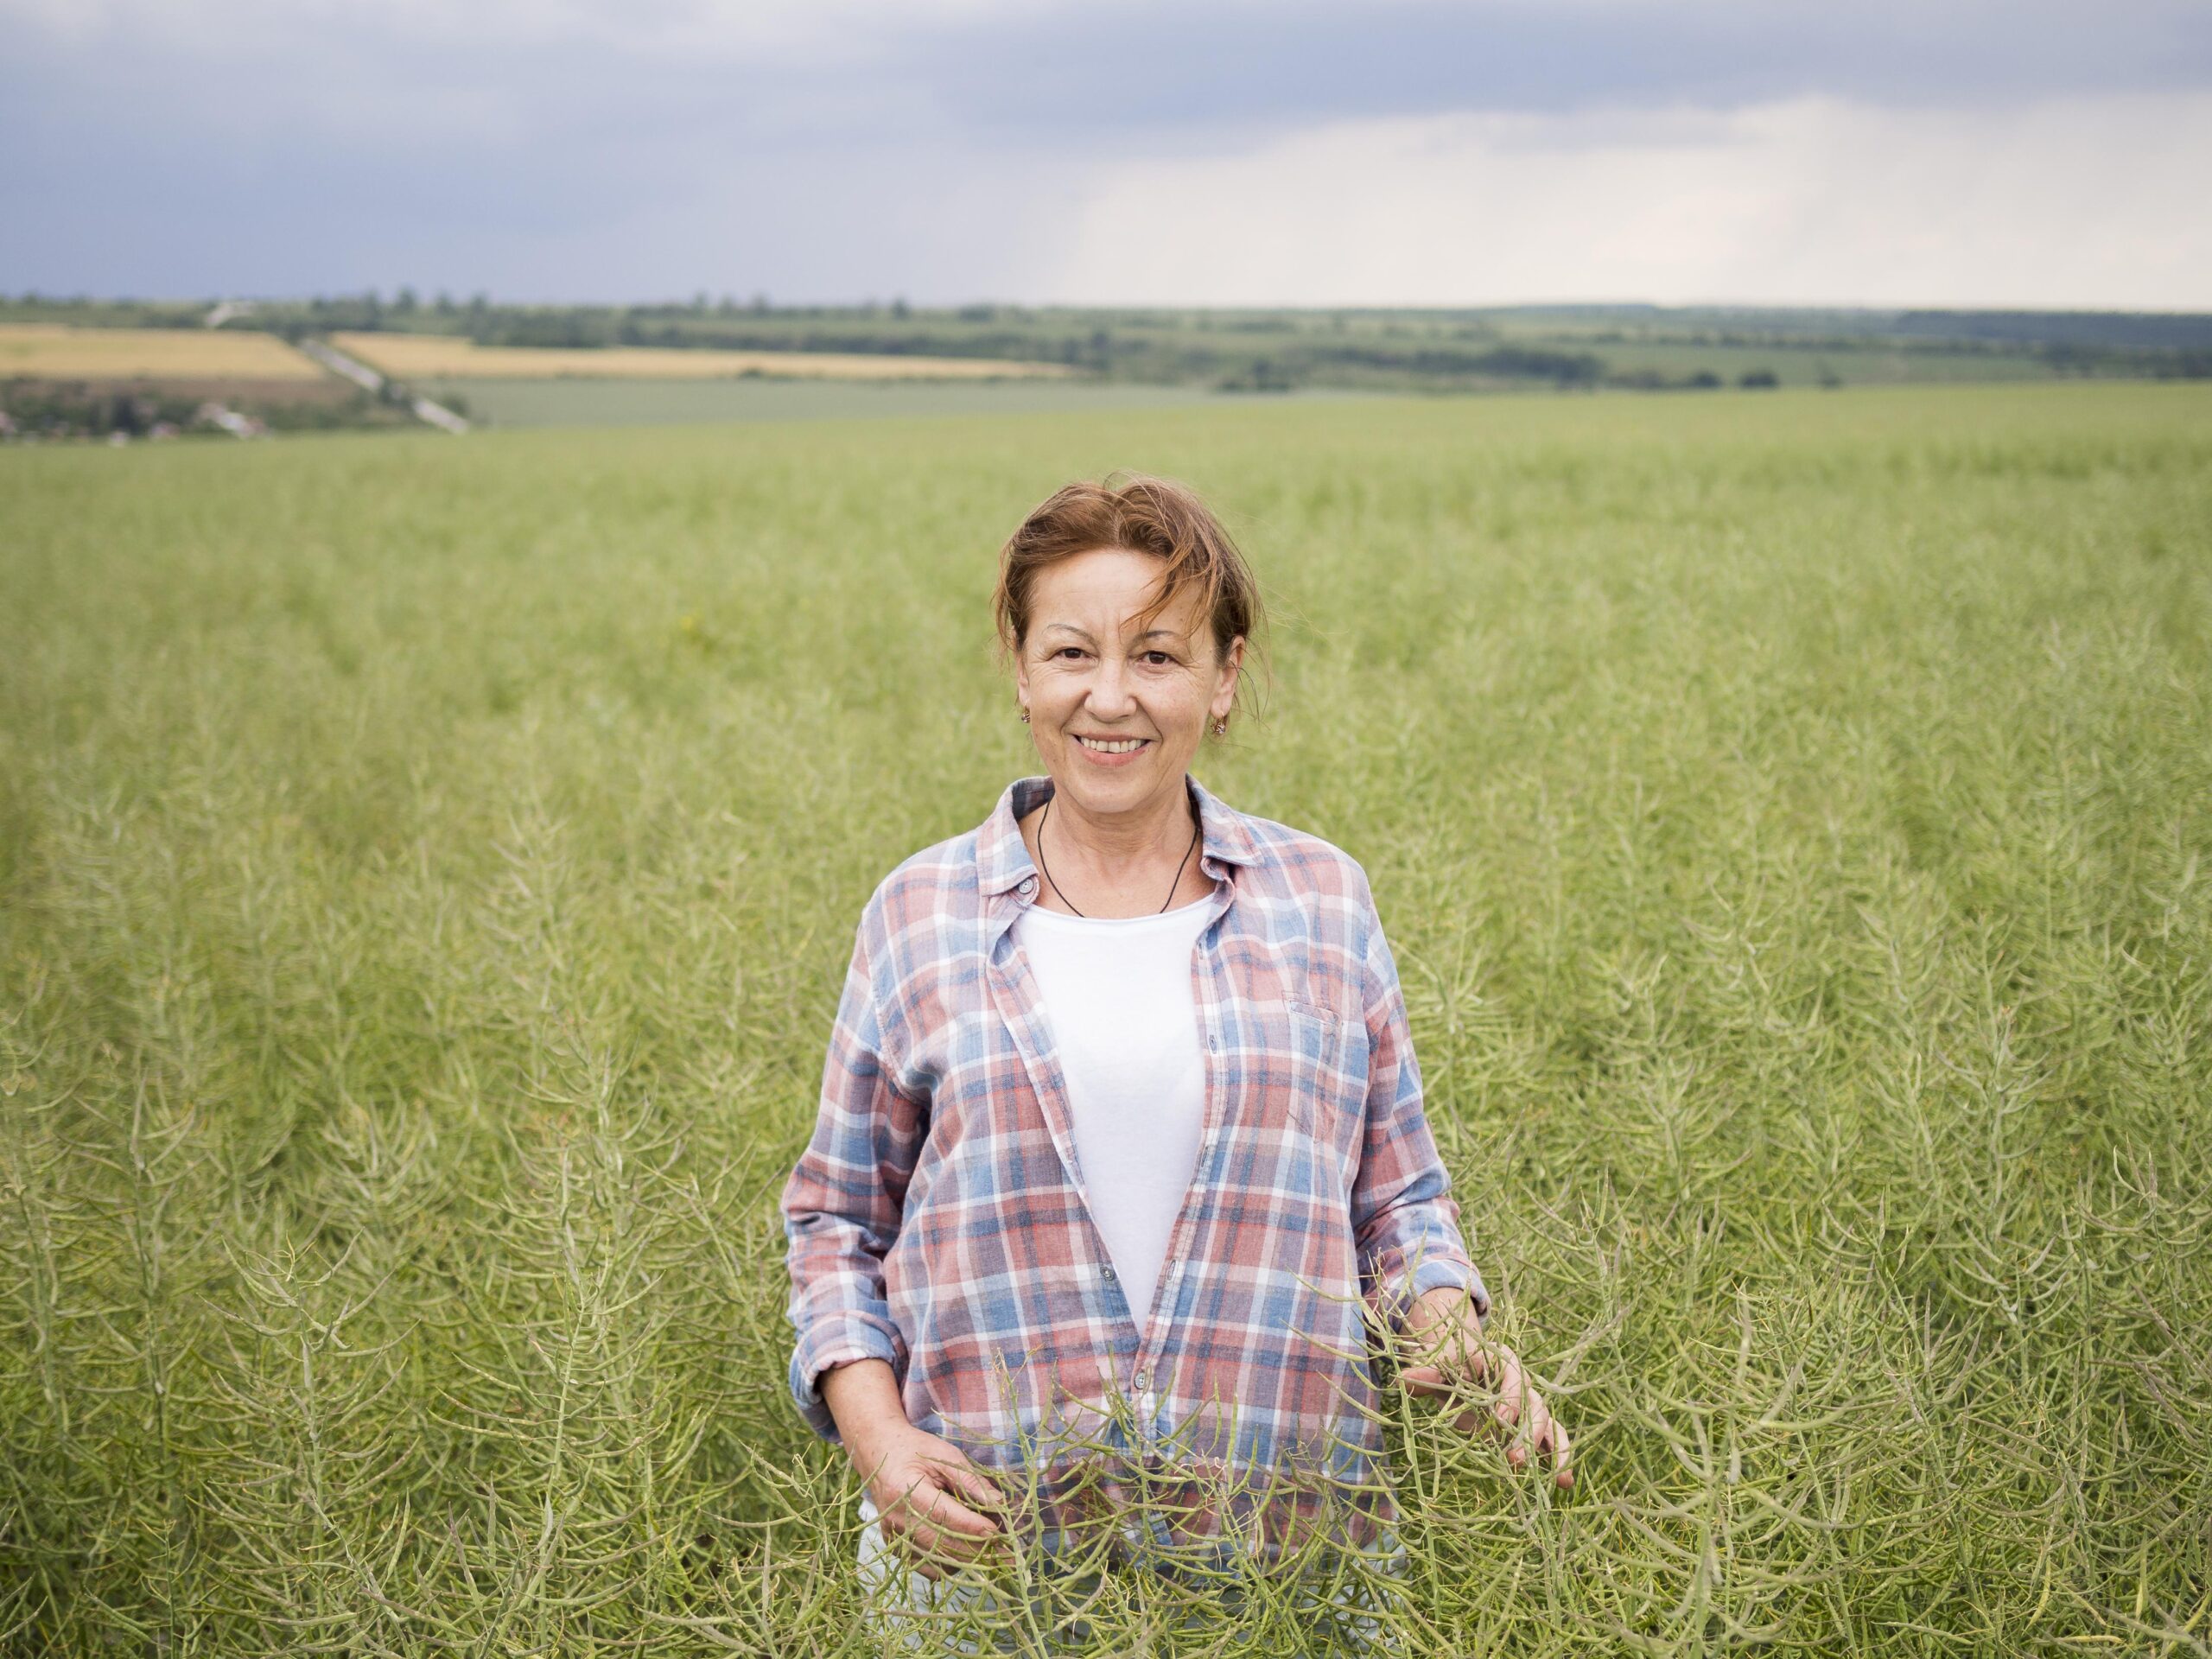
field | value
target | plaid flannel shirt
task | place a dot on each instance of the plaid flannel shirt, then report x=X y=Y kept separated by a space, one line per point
x=938 y=1218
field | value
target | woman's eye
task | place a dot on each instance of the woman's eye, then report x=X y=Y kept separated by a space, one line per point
x=1158 y=658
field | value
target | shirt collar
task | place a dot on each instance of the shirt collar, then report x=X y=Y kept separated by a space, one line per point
x=1002 y=861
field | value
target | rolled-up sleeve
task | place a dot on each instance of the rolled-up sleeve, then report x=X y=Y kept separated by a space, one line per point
x=1405 y=1220
x=843 y=1201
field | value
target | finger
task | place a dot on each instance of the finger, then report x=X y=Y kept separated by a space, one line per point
x=1512 y=1409
x=1540 y=1420
x=1517 y=1444
x=915 y=1561
x=1427 y=1382
x=1447 y=1373
x=932 y=1503
x=1512 y=1393
x=930 y=1551
x=977 y=1488
x=911 y=1541
x=1562 y=1456
x=1536 y=1426
x=1423 y=1380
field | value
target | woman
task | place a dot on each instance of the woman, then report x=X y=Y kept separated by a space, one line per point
x=1121 y=1155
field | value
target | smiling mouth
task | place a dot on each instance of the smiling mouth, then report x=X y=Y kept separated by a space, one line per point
x=1110 y=745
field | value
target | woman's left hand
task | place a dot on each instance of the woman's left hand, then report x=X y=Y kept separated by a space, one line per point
x=1445 y=1338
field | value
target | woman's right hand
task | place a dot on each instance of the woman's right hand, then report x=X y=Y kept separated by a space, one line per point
x=930 y=1500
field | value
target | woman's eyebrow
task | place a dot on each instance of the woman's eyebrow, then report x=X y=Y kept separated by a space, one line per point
x=1084 y=635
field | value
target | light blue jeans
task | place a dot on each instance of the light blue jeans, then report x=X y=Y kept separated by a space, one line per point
x=909 y=1612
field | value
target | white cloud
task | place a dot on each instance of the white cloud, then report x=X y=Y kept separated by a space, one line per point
x=2083 y=201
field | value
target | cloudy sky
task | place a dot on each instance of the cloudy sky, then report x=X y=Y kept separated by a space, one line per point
x=1935 y=152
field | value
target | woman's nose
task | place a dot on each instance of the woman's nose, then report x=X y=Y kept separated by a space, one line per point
x=1110 y=692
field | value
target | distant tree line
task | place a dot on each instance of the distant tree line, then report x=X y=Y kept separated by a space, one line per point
x=2120 y=331
x=80 y=409
x=1569 y=349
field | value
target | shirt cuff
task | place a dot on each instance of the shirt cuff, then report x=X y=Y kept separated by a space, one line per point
x=1393 y=1299
x=1440 y=1271
x=838 y=1345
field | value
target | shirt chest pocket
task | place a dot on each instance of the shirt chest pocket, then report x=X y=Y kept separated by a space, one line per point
x=1312 y=1063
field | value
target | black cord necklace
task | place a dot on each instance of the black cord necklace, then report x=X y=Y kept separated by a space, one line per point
x=1070 y=903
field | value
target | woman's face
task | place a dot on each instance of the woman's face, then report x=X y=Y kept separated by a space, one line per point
x=1116 y=705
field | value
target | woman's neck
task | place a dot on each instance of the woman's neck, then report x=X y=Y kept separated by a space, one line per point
x=1119 y=864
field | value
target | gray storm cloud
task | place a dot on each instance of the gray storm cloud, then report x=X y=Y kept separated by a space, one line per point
x=963 y=149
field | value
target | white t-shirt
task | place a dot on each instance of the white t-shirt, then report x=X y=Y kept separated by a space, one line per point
x=1118 y=997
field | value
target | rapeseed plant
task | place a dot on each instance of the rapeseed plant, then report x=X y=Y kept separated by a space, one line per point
x=1790 y=815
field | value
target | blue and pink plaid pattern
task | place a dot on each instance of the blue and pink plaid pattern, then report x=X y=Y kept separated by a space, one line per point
x=938 y=1218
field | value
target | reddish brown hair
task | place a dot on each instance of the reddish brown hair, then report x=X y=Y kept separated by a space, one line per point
x=1155 y=516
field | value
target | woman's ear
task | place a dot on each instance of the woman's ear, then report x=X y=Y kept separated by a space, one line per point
x=1224 y=694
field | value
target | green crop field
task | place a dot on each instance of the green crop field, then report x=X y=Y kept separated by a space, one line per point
x=427 y=868
x=595 y=401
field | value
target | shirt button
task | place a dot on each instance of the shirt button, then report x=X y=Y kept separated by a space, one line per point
x=1143 y=1377
x=1109 y=1272
x=1029 y=884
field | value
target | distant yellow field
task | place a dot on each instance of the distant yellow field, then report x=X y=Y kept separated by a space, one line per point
x=41 y=350
x=429 y=356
